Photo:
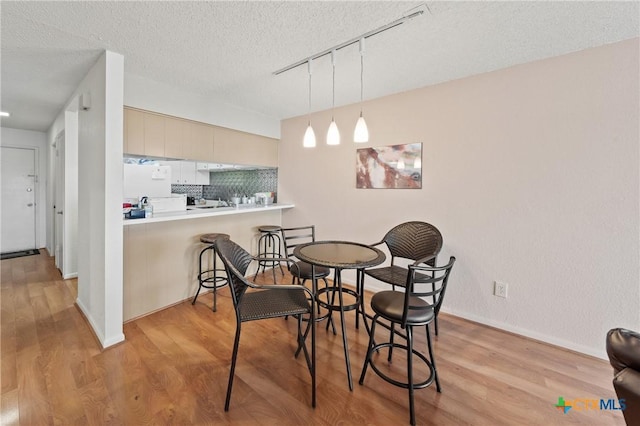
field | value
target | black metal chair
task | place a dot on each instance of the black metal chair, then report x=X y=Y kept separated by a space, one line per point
x=409 y=309
x=210 y=278
x=269 y=250
x=415 y=241
x=268 y=301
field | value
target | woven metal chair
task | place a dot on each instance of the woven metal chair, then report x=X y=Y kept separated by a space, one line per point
x=409 y=309
x=415 y=241
x=263 y=302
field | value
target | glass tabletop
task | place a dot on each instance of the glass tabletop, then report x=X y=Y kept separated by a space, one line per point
x=339 y=254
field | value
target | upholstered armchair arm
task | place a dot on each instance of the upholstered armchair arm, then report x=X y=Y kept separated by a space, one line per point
x=623 y=348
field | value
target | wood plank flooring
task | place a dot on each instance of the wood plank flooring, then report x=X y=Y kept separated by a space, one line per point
x=173 y=369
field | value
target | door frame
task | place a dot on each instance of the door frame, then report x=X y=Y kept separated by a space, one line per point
x=59 y=183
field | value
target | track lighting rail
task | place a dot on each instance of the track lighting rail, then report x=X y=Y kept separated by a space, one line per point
x=368 y=34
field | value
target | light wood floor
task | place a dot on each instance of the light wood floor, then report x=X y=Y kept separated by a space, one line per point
x=173 y=369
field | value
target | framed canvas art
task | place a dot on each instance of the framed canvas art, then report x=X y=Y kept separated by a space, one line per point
x=390 y=167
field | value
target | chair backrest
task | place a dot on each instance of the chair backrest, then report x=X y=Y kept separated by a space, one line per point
x=413 y=240
x=426 y=282
x=236 y=261
x=293 y=237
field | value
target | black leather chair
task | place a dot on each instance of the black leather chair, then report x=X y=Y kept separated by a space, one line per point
x=623 y=349
x=409 y=309
x=268 y=301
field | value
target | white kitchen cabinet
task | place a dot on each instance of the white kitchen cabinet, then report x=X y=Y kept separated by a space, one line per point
x=185 y=173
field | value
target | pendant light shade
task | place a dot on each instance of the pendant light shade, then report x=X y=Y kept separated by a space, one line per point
x=309 y=137
x=361 y=132
x=333 y=134
x=309 y=140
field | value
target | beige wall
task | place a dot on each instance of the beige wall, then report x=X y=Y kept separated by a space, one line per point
x=531 y=174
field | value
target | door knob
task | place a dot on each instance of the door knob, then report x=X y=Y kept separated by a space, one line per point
x=30 y=204
x=59 y=212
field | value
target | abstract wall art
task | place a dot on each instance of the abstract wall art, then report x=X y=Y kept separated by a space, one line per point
x=390 y=167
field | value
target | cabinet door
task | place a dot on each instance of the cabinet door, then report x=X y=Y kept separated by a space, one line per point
x=202 y=177
x=176 y=175
x=200 y=144
x=175 y=137
x=232 y=146
x=154 y=135
x=133 y=132
x=188 y=173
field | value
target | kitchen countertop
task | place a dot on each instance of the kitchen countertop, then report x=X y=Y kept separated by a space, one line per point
x=200 y=213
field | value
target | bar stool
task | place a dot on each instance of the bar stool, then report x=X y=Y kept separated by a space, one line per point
x=209 y=278
x=269 y=248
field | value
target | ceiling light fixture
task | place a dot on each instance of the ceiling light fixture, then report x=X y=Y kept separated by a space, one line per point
x=4 y=114
x=333 y=134
x=309 y=140
x=361 y=132
x=368 y=34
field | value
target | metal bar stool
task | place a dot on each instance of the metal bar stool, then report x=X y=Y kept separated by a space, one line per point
x=269 y=248
x=210 y=278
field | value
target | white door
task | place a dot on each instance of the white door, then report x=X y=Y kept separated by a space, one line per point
x=58 y=209
x=18 y=199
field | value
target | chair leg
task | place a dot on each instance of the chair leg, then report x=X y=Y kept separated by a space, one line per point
x=412 y=413
x=215 y=282
x=199 y=277
x=233 y=367
x=312 y=321
x=367 y=358
x=391 y=336
x=433 y=359
x=329 y=319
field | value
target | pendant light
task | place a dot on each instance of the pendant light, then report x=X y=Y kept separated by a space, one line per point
x=333 y=134
x=361 y=133
x=309 y=140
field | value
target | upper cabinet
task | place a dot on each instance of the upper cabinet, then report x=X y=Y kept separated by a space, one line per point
x=237 y=147
x=176 y=133
x=133 y=132
x=157 y=135
x=200 y=145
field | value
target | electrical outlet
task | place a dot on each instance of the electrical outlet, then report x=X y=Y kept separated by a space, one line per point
x=500 y=289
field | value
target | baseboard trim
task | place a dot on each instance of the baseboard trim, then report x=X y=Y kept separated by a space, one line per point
x=104 y=342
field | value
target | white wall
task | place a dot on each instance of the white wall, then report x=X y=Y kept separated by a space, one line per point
x=532 y=175
x=38 y=141
x=100 y=133
x=154 y=96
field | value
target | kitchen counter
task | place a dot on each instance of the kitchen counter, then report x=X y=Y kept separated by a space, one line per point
x=161 y=253
x=205 y=212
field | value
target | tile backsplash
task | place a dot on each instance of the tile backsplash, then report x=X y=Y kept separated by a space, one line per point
x=224 y=185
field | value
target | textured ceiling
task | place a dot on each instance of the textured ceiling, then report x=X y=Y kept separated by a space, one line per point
x=229 y=50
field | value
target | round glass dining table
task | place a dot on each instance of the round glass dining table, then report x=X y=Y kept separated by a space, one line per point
x=341 y=255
